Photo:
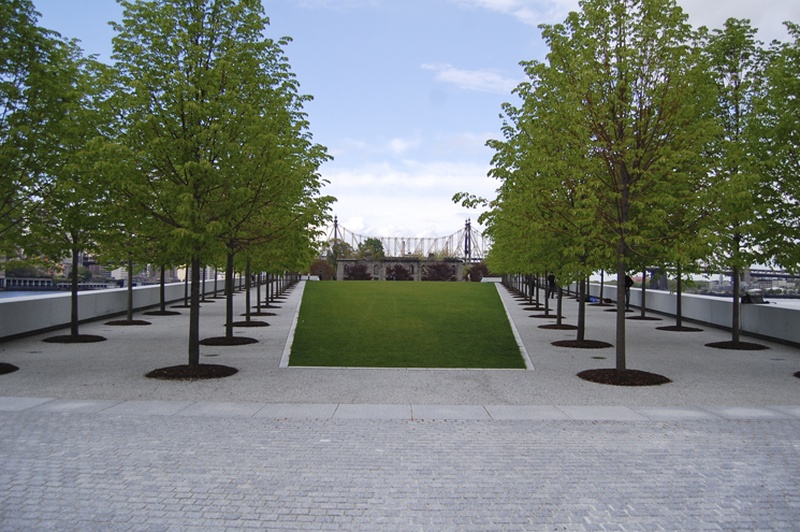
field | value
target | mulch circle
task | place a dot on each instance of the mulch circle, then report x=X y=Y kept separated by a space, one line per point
x=6 y=368
x=582 y=344
x=162 y=313
x=545 y=316
x=128 y=322
x=645 y=318
x=261 y=314
x=76 y=339
x=615 y=309
x=265 y=306
x=180 y=306
x=251 y=323
x=624 y=377
x=222 y=340
x=192 y=372
x=562 y=327
x=737 y=346
x=531 y=309
x=797 y=374
x=679 y=328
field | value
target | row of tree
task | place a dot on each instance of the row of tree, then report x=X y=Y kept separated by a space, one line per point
x=190 y=148
x=641 y=142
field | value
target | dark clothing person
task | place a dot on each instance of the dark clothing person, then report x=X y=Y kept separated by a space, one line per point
x=551 y=286
x=628 y=284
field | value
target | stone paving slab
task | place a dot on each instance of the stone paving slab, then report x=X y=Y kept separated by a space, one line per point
x=607 y=413
x=148 y=408
x=11 y=404
x=373 y=412
x=741 y=412
x=74 y=406
x=525 y=412
x=449 y=412
x=226 y=409
x=297 y=411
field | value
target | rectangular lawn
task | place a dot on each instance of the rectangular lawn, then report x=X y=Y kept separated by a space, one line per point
x=403 y=324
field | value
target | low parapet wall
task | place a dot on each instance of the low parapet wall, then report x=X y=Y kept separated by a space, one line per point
x=763 y=320
x=27 y=315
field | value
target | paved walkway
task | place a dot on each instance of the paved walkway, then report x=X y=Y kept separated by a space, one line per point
x=86 y=442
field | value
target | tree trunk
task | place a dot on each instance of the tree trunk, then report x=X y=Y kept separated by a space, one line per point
x=644 y=292
x=162 y=292
x=186 y=288
x=582 y=310
x=73 y=312
x=559 y=305
x=258 y=291
x=621 y=313
x=229 y=287
x=736 y=318
x=129 y=306
x=679 y=302
x=247 y=287
x=194 y=314
x=602 y=286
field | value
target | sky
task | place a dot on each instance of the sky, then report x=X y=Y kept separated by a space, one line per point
x=407 y=92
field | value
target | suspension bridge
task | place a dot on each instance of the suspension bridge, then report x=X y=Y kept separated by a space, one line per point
x=467 y=244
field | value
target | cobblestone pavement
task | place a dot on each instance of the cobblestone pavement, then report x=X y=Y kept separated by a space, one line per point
x=88 y=443
x=146 y=472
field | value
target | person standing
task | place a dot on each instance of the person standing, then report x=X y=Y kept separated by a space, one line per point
x=551 y=286
x=628 y=284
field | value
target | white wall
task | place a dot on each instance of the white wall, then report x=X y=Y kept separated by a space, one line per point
x=765 y=320
x=23 y=315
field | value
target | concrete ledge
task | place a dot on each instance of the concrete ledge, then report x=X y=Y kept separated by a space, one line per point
x=763 y=320
x=29 y=315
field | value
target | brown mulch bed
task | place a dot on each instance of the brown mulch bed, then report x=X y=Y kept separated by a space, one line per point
x=128 y=322
x=582 y=344
x=162 y=313
x=266 y=306
x=192 y=373
x=251 y=323
x=77 y=339
x=625 y=377
x=645 y=318
x=180 y=306
x=737 y=346
x=545 y=316
x=797 y=374
x=224 y=341
x=562 y=327
x=261 y=314
x=679 y=328
x=6 y=368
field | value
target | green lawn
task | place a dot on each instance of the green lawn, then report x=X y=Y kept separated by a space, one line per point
x=403 y=324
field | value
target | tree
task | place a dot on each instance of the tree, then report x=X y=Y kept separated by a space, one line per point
x=357 y=272
x=629 y=69
x=778 y=139
x=69 y=219
x=438 y=271
x=371 y=248
x=37 y=79
x=213 y=121
x=734 y=61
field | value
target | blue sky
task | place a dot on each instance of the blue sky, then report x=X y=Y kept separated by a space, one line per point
x=406 y=92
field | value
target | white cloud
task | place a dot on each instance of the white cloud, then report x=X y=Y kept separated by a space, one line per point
x=399 y=145
x=483 y=80
x=766 y=15
x=532 y=12
x=405 y=199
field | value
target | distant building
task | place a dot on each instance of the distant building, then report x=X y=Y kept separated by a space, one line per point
x=382 y=269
